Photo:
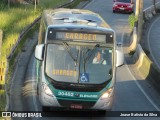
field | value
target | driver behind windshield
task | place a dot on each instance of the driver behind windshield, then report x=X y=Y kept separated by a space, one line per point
x=98 y=59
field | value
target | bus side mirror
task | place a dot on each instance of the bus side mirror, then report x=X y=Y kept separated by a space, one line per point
x=39 y=52
x=119 y=58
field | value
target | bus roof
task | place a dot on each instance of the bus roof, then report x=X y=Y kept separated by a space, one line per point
x=73 y=17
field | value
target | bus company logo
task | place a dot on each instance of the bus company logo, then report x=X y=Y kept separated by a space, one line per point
x=6 y=114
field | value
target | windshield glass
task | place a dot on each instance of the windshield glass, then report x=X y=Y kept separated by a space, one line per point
x=92 y=65
x=125 y=1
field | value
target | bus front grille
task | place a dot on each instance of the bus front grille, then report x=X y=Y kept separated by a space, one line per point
x=79 y=89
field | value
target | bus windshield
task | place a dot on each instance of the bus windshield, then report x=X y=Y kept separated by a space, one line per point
x=79 y=64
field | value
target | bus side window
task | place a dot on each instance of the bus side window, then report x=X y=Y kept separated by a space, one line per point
x=41 y=35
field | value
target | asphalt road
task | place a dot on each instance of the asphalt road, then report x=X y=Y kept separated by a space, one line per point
x=130 y=95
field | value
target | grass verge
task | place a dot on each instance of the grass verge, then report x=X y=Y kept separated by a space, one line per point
x=2 y=101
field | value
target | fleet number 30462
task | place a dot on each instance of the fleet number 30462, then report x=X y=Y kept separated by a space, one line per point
x=65 y=94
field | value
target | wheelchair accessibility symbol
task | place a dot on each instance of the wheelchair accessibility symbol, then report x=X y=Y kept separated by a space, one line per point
x=84 y=77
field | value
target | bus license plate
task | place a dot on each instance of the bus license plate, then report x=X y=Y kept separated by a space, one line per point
x=76 y=106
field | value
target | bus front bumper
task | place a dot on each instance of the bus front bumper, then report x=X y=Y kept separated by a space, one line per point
x=51 y=101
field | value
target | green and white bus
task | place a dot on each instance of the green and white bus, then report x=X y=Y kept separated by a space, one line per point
x=76 y=60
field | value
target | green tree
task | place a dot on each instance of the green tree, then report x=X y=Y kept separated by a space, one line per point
x=132 y=19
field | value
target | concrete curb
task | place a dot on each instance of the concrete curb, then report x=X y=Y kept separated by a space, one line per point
x=143 y=62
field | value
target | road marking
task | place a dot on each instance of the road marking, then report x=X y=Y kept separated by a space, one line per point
x=138 y=85
x=148 y=36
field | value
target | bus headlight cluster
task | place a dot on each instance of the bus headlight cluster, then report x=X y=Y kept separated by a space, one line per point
x=107 y=94
x=47 y=89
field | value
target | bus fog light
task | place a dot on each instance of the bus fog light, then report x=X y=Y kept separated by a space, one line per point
x=47 y=90
x=107 y=94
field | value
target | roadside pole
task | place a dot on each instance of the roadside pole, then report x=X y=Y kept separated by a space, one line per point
x=137 y=9
x=140 y=20
x=8 y=3
x=154 y=4
x=35 y=5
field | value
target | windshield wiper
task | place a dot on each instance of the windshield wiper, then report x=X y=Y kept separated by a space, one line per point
x=70 y=53
x=88 y=57
x=92 y=51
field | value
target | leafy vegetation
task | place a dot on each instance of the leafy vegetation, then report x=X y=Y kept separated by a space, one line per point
x=17 y=17
x=132 y=19
x=2 y=101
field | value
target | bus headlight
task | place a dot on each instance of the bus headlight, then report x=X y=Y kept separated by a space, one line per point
x=107 y=94
x=47 y=90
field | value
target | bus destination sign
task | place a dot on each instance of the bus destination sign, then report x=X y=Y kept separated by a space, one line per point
x=80 y=36
x=77 y=36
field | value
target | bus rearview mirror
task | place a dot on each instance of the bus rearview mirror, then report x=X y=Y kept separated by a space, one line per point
x=39 y=52
x=119 y=58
